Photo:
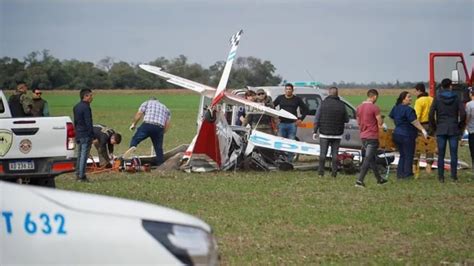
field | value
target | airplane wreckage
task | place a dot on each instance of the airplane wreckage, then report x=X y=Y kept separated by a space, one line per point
x=220 y=146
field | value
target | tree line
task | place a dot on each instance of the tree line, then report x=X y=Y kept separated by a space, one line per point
x=42 y=70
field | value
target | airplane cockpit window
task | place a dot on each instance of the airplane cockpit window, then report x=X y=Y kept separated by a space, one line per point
x=207 y=101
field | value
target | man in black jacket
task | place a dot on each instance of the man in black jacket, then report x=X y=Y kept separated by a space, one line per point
x=448 y=118
x=84 y=132
x=329 y=121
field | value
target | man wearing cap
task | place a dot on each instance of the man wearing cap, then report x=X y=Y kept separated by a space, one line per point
x=258 y=120
x=20 y=102
x=156 y=120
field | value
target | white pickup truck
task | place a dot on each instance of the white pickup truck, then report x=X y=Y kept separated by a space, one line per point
x=35 y=150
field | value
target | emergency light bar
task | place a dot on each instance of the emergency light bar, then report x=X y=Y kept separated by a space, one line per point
x=306 y=83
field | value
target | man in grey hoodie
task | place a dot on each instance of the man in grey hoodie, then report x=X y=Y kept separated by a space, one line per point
x=448 y=118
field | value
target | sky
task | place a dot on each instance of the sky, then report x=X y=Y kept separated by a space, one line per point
x=326 y=40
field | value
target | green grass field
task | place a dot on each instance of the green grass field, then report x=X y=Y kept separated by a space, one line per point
x=290 y=217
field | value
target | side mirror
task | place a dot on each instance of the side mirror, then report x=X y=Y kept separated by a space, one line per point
x=455 y=76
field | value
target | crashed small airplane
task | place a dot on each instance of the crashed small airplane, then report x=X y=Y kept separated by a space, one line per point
x=218 y=146
x=216 y=142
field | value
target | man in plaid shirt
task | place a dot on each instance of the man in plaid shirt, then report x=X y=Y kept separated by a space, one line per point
x=156 y=120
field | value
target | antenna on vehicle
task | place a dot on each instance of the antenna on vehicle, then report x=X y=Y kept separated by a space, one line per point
x=316 y=86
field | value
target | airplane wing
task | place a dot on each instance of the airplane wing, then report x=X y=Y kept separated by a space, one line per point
x=265 y=140
x=236 y=100
x=182 y=82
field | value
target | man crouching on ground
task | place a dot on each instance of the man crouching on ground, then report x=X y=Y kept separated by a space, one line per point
x=104 y=140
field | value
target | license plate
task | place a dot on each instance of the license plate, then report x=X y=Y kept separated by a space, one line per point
x=21 y=165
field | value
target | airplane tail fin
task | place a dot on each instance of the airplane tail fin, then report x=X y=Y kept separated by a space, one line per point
x=234 y=42
x=207 y=139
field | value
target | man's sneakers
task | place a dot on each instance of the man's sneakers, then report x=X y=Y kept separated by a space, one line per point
x=83 y=179
x=359 y=184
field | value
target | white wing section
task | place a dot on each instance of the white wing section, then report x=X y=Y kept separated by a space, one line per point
x=236 y=100
x=209 y=92
x=182 y=82
x=264 y=140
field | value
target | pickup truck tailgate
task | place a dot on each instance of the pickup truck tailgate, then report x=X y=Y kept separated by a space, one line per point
x=34 y=137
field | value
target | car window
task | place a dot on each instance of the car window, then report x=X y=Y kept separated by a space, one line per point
x=350 y=111
x=2 y=107
x=312 y=101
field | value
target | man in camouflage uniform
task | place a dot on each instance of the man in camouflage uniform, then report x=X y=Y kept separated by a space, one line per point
x=40 y=106
x=104 y=140
x=20 y=102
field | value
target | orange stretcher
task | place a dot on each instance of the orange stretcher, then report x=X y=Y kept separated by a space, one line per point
x=423 y=146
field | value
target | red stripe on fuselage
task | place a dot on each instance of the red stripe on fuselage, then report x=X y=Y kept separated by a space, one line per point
x=217 y=99
x=207 y=142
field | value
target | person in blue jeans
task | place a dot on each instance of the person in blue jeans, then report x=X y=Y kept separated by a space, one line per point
x=448 y=118
x=405 y=133
x=291 y=103
x=156 y=118
x=470 y=126
x=84 y=132
x=369 y=120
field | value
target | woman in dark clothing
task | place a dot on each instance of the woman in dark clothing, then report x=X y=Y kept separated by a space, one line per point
x=405 y=133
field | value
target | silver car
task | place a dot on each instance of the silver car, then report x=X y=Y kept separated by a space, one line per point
x=312 y=97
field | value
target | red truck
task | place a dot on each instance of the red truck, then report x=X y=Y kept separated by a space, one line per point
x=451 y=65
